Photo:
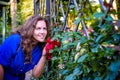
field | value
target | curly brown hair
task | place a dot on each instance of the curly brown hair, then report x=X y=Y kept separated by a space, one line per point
x=26 y=32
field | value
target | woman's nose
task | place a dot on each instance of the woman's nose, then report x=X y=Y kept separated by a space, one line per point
x=42 y=31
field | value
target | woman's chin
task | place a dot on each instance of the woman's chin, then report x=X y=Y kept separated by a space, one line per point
x=42 y=40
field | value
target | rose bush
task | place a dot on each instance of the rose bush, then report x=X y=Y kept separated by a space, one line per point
x=51 y=44
x=79 y=58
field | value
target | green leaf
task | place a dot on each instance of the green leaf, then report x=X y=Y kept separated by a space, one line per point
x=65 y=72
x=109 y=18
x=70 y=77
x=54 y=58
x=95 y=66
x=77 y=21
x=77 y=35
x=81 y=59
x=116 y=37
x=65 y=38
x=95 y=49
x=115 y=66
x=98 y=78
x=111 y=76
x=51 y=51
x=69 y=45
x=83 y=40
x=98 y=15
x=99 y=38
x=76 y=71
x=71 y=6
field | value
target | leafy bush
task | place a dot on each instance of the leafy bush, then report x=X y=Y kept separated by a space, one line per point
x=79 y=58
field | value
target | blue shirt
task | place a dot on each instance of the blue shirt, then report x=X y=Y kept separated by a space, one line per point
x=12 y=58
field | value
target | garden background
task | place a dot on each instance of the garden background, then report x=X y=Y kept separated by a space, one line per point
x=88 y=30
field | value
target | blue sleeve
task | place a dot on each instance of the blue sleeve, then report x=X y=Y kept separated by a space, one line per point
x=8 y=49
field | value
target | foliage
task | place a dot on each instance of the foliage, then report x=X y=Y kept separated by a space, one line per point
x=79 y=58
x=7 y=23
x=25 y=9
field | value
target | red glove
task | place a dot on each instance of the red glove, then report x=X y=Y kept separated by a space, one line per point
x=49 y=46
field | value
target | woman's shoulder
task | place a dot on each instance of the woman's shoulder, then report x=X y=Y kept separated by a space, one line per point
x=14 y=37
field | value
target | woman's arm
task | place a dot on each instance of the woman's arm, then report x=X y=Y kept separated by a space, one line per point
x=38 y=69
x=1 y=72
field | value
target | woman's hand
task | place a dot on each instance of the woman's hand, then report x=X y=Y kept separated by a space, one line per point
x=1 y=72
x=44 y=51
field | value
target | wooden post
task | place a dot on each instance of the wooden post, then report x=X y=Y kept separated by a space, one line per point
x=13 y=10
x=48 y=9
x=36 y=7
x=4 y=23
x=3 y=5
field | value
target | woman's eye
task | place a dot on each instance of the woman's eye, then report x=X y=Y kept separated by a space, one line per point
x=41 y=28
x=38 y=28
x=45 y=28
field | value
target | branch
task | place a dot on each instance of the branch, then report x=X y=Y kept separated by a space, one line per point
x=106 y=12
x=64 y=27
x=76 y=6
x=85 y=29
x=63 y=13
x=102 y=5
x=117 y=48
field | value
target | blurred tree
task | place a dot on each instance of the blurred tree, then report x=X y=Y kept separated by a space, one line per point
x=13 y=10
x=36 y=7
x=24 y=10
x=118 y=8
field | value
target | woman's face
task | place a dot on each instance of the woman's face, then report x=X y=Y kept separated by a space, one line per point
x=40 y=31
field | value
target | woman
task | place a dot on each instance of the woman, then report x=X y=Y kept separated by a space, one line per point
x=24 y=50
